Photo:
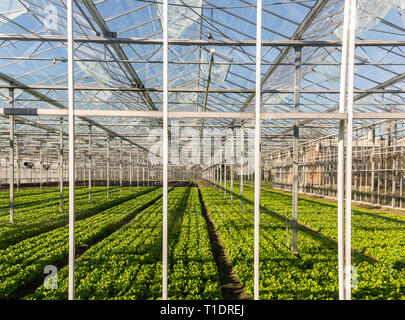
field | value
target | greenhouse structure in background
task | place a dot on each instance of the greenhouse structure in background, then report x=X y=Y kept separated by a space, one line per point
x=273 y=130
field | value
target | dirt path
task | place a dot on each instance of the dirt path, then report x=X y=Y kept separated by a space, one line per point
x=232 y=288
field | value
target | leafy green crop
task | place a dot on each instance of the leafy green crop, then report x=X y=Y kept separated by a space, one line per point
x=45 y=216
x=379 y=234
x=312 y=275
x=127 y=264
x=23 y=262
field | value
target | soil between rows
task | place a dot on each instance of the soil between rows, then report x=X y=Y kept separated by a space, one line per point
x=232 y=288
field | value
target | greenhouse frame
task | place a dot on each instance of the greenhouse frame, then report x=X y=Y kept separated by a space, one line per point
x=305 y=96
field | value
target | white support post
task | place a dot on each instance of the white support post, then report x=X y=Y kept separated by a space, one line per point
x=304 y=169
x=108 y=167
x=225 y=170
x=17 y=150
x=60 y=166
x=372 y=164
x=394 y=167
x=121 y=167
x=401 y=179
x=11 y=161
x=257 y=160
x=220 y=176
x=242 y=151
x=89 y=164
x=40 y=165
x=232 y=161
x=350 y=101
x=165 y=27
x=379 y=170
x=137 y=171
x=224 y=180
x=356 y=175
x=148 y=174
x=130 y=170
x=341 y=154
x=297 y=86
x=71 y=268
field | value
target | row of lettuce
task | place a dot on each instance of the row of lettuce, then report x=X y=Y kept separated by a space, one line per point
x=24 y=262
x=376 y=233
x=40 y=215
x=119 y=243
x=311 y=275
x=127 y=264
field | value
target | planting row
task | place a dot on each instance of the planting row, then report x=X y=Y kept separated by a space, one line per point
x=311 y=275
x=22 y=263
x=46 y=216
x=379 y=234
x=127 y=264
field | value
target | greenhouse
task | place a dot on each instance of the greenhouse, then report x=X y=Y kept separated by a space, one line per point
x=202 y=150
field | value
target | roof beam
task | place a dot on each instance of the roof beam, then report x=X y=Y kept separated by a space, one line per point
x=119 y=51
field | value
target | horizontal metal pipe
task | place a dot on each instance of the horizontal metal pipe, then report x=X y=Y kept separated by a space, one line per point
x=203 y=115
x=192 y=42
x=193 y=90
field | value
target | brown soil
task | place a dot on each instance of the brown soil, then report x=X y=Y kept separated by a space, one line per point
x=232 y=288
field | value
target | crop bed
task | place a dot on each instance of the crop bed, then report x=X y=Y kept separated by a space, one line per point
x=119 y=246
x=311 y=275
x=35 y=216
x=127 y=264
x=378 y=234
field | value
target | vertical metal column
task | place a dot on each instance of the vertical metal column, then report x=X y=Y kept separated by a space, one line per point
x=356 y=175
x=341 y=159
x=108 y=167
x=17 y=150
x=11 y=161
x=71 y=285
x=304 y=169
x=225 y=170
x=350 y=101
x=60 y=166
x=130 y=170
x=121 y=167
x=165 y=27
x=232 y=161
x=224 y=180
x=379 y=171
x=137 y=171
x=320 y=169
x=242 y=151
x=220 y=176
x=401 y=179
x=148 y=174
x=372 y=164
x=297 y=85
x=257 y=160
x=394 y=167
x=40 y=165
x=89 y=164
